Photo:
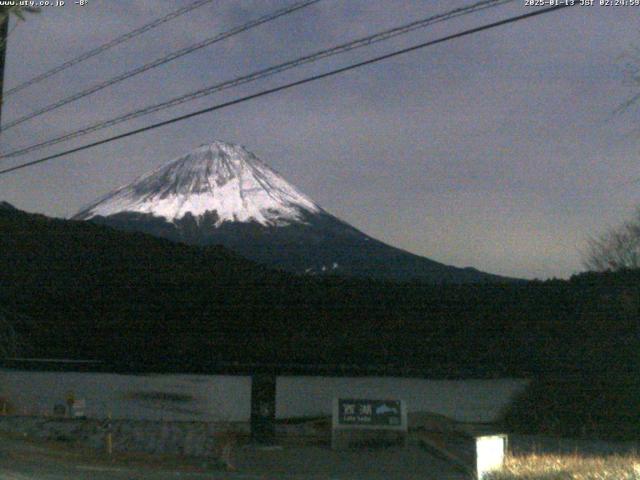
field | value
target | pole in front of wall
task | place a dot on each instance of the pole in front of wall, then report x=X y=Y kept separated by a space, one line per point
x=109 y=436
x=4 y=33
x=263 y=407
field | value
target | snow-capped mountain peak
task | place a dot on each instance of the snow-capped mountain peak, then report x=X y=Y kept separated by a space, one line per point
x=221 y=194
x=219 y=178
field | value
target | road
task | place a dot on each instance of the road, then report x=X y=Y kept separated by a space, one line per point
x=27 y=460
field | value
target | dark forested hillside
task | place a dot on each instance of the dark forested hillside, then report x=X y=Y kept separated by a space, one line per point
x=80 y=290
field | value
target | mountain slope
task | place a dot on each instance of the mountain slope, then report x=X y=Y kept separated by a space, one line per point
x=223 y=194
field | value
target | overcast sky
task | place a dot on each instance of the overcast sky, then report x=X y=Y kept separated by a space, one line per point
x=498 y=150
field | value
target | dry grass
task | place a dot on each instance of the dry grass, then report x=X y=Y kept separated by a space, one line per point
x=574 y=467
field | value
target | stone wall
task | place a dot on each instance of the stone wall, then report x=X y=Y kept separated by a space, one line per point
x=197 y=439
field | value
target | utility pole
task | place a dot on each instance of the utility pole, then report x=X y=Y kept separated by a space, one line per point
x=4 y=33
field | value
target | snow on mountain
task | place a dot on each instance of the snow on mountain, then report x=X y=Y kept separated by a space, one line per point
x=219 y=177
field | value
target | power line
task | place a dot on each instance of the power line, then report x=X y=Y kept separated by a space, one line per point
x=260 y=74
x=161 y=61
x=292 y=84
x=108 y=45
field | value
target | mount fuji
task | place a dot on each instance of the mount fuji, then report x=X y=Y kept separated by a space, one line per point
x=223 y=194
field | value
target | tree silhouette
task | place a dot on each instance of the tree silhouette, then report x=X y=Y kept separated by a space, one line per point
x=617 y=249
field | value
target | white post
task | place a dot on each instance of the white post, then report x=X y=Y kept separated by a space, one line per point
x=490 y=452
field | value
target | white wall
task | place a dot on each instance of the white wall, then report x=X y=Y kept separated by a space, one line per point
x=463 y=400
x=213 y=397
x=227 y=398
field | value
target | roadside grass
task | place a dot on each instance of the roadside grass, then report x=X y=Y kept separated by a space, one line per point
x=565 y=467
